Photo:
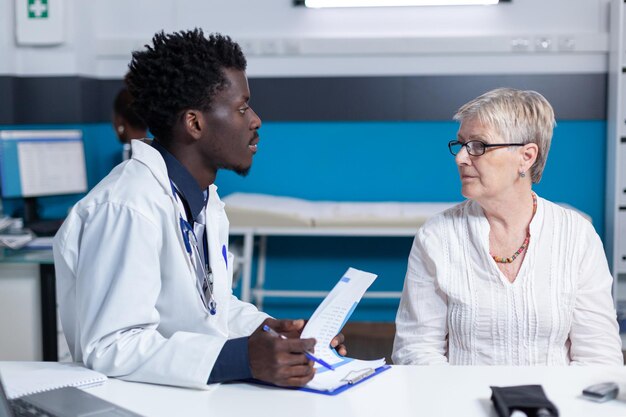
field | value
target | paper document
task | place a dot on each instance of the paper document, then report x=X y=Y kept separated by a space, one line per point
x=327 y=321
x=5 y=222
x=15 y=240
x=348 y=373
x=23 y=378
x=41 y=243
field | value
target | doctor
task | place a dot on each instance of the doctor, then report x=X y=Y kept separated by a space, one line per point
x=143 y=271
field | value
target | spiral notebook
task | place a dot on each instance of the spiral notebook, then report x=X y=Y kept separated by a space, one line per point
x=24 y=378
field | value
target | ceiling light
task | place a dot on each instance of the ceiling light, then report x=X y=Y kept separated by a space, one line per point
x=384 y=3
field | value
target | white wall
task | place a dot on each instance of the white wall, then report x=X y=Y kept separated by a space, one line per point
x=283 y=40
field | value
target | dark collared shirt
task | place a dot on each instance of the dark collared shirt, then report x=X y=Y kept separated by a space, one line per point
x=232 y=362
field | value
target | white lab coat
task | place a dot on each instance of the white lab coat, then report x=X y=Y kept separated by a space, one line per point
x=126 y=287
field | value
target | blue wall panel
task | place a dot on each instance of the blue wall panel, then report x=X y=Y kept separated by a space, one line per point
x=407 y=161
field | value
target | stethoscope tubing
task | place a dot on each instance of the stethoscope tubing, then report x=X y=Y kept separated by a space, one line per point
x=192 y=249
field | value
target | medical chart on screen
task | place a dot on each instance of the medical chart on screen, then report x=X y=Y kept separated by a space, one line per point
x=52 y=167
x=327 y=321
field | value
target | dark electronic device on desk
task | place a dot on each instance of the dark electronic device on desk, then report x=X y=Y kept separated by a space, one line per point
x=39 y=163
x=601 y=392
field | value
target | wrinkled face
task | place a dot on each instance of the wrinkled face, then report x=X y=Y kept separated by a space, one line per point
x=488 y=175
x=231 y=138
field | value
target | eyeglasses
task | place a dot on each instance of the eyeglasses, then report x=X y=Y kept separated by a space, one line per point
x=475 y=147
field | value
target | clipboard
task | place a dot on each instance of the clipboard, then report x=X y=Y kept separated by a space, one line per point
x=329 y=318
x=350 y=380
x=349 y=383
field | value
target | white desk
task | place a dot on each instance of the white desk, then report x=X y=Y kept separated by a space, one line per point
x=402 y=391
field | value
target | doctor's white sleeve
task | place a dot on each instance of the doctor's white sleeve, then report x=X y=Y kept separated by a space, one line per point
x=117 y=284
x=421 y=321
x=245 y=318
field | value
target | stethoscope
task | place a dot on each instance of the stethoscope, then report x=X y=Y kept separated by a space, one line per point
x=203 y=268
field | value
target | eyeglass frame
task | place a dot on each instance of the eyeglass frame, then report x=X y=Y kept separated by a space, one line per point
x=485 y=146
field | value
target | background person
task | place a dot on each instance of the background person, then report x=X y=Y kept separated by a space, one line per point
x=143 y=271
x=507 y=277
x=127 y=123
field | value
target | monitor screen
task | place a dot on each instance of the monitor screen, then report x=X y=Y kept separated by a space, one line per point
x=36 y=163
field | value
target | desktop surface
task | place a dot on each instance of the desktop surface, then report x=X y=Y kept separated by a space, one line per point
x=402 y=391
x=45 y=228
x=26 y=256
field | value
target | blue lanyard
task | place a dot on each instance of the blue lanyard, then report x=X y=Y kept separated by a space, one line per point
x=189 y=238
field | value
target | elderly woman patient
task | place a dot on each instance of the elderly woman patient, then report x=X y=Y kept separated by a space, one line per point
x=506 y=277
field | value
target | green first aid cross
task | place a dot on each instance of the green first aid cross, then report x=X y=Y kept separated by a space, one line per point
x=37 y=9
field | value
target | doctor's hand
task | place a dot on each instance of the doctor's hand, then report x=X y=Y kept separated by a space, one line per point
x=293 y=328
x=281 y=361
x=337 y=343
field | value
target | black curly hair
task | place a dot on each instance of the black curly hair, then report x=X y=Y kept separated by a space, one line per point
x=181 y=70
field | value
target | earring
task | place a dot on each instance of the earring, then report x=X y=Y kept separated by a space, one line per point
x=120 y=129
x=522 y=174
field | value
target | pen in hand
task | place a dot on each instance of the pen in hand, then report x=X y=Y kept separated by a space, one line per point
x=308 y=354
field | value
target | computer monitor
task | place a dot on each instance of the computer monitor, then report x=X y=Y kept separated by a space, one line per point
x=36 y=163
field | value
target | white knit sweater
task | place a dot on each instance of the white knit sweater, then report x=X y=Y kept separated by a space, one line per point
x=458 y=308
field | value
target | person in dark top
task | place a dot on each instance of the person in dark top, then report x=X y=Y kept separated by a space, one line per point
x=126 y=122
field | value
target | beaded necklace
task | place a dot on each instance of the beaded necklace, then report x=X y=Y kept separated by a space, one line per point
x=522 y=248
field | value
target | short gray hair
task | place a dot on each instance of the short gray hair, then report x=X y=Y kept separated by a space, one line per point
x=519 y=116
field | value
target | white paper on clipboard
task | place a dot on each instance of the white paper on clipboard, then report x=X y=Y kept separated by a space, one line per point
x=327 y=321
